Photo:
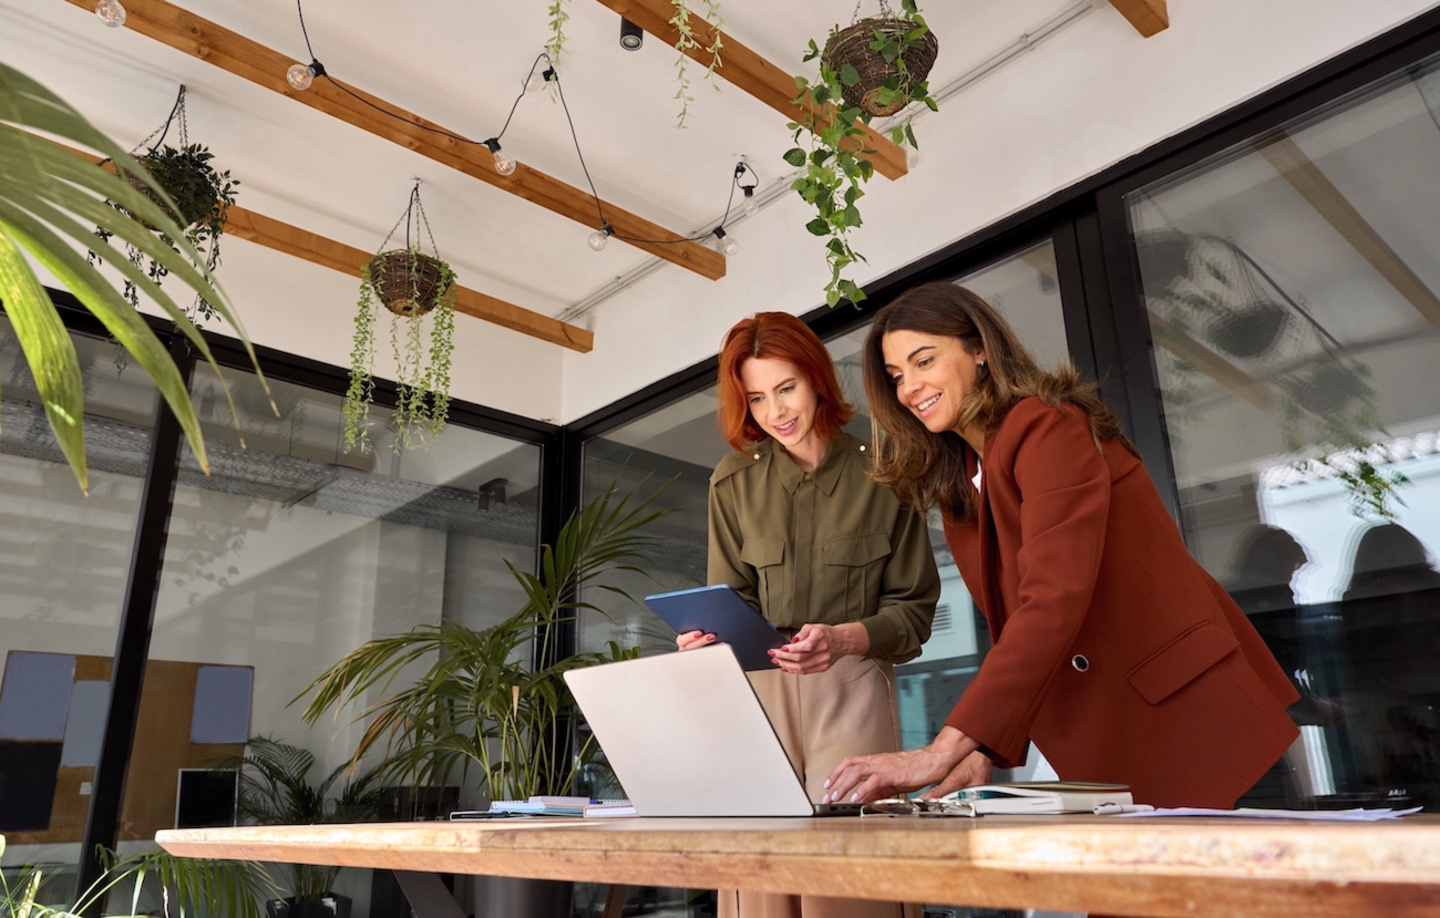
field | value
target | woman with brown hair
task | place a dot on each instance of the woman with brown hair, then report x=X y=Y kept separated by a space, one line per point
x=826 y=555
x=1114 y=651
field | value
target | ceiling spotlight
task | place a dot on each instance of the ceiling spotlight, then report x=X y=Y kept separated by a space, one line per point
x=601 y=236
x=113 y=14
x=503 y=164
x=728 y=245
x=631 y=35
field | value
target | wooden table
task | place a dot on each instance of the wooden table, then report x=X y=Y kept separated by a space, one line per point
x=1150 y=867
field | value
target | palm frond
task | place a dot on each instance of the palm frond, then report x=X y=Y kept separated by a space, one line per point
x=43 y=188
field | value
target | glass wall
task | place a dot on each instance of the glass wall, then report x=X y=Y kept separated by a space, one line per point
x=290 y=554
x=1291 y=289
x=64 y=563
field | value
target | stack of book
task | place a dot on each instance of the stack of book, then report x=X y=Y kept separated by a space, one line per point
x=564 y=806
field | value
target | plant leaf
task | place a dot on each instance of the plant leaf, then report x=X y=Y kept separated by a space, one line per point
x=49 y=351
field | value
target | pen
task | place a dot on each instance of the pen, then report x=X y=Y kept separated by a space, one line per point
x=1115 y=809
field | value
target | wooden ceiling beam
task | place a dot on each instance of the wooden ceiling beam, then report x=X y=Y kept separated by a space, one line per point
x=230 y=51
x=1147 y=16
x=1330 y=202
x=750 y=72
x=312 y=247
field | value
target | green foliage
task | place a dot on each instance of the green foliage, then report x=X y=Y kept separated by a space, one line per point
x=423 y=371
x=479 y=704
x=688 y=42
x=188 y=887
x=48 y=193
x=201 y=196
x=276 y=790
x=835 y=169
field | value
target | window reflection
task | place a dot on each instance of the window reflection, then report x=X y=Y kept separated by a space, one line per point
x=63 y=570
x=1290 y=286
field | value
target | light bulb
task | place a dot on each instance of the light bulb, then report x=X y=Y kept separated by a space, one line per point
x=598 y=239
x=748 y=205
x=111 y=13
x=300 y=76
x=729 y=246
x=504 y=164
x=535 y=83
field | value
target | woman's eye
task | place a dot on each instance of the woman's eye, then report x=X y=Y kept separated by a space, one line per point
x=925 y=362
x=787 y=389
x=755 y=399
x=895 y=381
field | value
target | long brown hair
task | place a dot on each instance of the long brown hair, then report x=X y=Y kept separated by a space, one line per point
x=926 y=469
x=780 y=336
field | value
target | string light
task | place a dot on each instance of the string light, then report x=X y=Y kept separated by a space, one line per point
x=301 y=76
x=600 y=237
x=747 y=204
x=503 y=164
x=728 y=245
x=111 y=13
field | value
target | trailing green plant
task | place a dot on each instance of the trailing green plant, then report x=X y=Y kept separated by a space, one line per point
x=199 y=887
x=411 y=285
x=197 y=198
x=834 y=160
x=688 y=42
x=49 y=193
x=479 y=704
x=276 y=789
x=202 y=196
x=685 y=42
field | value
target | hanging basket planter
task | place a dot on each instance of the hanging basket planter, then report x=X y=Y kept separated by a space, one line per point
x=886 y=57
x=419 y=289
x=199 y=192
x=407 y=282
x=1251 y=331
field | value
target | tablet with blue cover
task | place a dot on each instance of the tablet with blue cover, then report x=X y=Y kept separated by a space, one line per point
x=719 y=610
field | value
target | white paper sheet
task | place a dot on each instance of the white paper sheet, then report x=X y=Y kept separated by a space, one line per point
x=1356 y=815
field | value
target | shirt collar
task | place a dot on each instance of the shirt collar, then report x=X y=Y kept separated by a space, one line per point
x=826 y=474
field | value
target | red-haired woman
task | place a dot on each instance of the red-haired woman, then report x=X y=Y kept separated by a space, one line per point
x=1114 y=651
x=798 y=528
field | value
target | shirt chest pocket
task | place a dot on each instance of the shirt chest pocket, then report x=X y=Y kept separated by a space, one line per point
x=767 y=556
x=854 y=567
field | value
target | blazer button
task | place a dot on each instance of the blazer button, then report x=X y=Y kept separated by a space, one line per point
x=1079 y=662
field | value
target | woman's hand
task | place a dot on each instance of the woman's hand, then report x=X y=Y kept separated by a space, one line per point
x=860 y=779
x=975 y=768
x=692 y=639
x=815 y=647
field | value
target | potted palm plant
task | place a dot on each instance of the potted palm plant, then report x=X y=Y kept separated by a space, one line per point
x=481 y=708
x=276 y=789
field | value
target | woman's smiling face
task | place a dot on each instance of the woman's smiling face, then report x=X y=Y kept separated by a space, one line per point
x=781 y=400
x=931 y=374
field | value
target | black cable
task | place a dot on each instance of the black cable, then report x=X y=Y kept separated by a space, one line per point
x=179 y=101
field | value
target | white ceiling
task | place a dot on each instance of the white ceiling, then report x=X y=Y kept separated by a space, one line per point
x=460 y=64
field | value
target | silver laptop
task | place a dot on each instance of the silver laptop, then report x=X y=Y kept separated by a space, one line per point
x=687 y=737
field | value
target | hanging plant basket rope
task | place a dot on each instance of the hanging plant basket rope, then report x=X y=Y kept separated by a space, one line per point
x=851 y=46
x=409 y=283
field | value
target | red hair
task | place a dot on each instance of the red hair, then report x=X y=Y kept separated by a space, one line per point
x=777 y=336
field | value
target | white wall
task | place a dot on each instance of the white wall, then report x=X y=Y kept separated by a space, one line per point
x=1083 y=100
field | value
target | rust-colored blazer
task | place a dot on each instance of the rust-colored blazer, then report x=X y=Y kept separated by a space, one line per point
x=1113 y=649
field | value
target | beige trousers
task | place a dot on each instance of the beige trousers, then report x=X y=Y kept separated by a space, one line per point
x=847 y=710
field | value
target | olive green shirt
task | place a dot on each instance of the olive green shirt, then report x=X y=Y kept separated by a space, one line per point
x=829 y=546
